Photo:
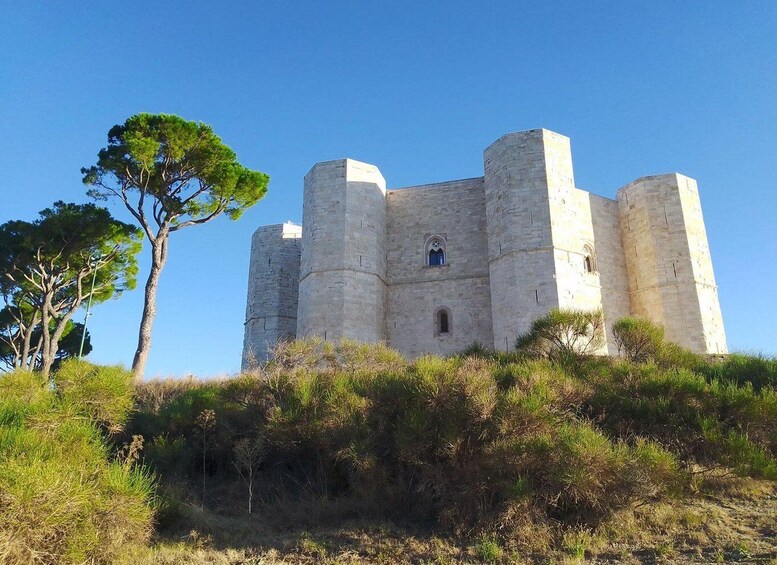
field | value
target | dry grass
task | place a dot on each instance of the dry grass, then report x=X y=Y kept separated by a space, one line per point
x=735 y=521
x=487 y=457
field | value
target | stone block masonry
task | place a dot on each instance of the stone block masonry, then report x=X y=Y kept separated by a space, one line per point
x=438 y=267
x=273 y=283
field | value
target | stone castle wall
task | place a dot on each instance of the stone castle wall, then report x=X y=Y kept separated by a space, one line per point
x=668 y=260
x=518 y=241
x=610 y=263
x=273 y=282
x=455 y=212
x=342 y=290
x=520 y=238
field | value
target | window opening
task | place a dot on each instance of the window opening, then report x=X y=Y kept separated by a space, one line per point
x=435 y=251
x=436 y=257
x=443 y=322
x=589 y=259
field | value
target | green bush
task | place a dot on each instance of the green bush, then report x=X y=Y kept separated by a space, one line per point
x=487 y=550
x=564 y=335
x=708 y=422
x=104 y=393
x=64 y=498
x=759 y=371
x=638 y=339
x=455 y=441
x=464 y=442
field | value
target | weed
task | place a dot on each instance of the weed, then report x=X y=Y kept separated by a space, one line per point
x=576 y=542
x=487 y=549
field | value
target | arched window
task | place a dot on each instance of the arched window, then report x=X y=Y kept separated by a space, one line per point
x=435 y=251
x=589 y=258
x=442 y=322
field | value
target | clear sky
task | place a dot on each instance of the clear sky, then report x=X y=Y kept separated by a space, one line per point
x=417 y=88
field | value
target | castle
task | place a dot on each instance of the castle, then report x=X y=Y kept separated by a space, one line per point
x=437 y=267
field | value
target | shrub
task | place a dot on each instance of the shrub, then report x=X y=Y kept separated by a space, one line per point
x=759 y=371
x=487 y=443
x=638 y=339
x=713 y=423
x=64 y=500
x=673 y=356
x=564 y=335
x=104 y=393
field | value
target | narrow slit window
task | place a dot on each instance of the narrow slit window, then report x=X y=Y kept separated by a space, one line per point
x=589 y=259
x=443 y=322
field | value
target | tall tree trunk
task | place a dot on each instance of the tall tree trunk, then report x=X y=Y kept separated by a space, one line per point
x=24 y=361
x=158 y=259
x=47 y=358
x=56 y=336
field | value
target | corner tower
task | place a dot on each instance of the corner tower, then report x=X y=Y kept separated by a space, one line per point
x=342 y=285
x=273 y=279
x=671 y=281
x=540 y=233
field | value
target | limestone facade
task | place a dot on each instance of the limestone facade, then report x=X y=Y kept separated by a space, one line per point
x=436 y=268
x=273 y=286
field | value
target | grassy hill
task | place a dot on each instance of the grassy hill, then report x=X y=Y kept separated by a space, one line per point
x=351 y=453
x=362 y=455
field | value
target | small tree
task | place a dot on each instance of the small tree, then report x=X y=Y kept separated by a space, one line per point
x=563 y=334
x=19 y=319
x=206 y=421
x=11 y=353
x=638 y=339
x=46 y=269
x=249 y=453
x=170 y=174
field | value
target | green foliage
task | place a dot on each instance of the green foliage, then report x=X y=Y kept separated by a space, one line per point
x=104 y=393
x=759 y=371
x=488 y=443
x=576 y=541
x=170 y=174
x=711 y=422
x=673 y=356
x=70 y=241
x=454 y=440
x=47 y=267
x=563 y=335
x=487 y=550
x=182 y=166
x=638 y=339
x=64 y=500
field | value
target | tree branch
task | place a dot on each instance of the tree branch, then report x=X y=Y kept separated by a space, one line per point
x=202 y=220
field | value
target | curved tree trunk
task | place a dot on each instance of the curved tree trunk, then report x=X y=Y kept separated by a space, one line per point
x=159 y=257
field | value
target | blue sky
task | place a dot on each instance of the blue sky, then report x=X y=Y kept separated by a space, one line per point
x=418 y=89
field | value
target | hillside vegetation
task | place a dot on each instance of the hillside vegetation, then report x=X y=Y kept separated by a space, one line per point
x=348 y=452
x=65 y=496
x=528 y=453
